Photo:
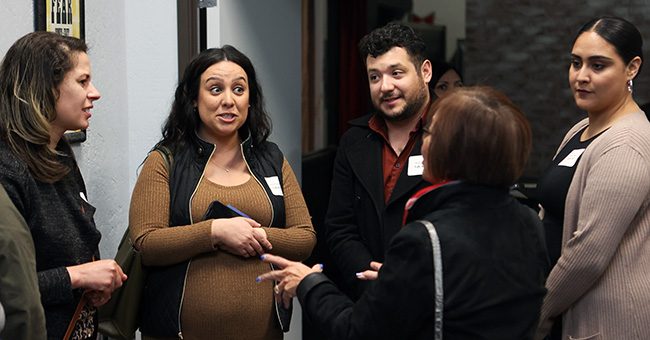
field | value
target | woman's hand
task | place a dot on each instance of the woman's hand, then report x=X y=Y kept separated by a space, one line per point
x=102 y=275
x=98 y=297
x=262 y=238
x=240 y=236
x=371 y=274
x=288 y=276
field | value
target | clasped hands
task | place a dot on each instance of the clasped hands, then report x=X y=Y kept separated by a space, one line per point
x=240 y=236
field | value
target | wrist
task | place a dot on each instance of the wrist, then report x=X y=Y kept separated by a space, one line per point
x=215 y=234
x=75 y=280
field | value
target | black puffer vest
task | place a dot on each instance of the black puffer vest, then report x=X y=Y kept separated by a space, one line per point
x=165 y=286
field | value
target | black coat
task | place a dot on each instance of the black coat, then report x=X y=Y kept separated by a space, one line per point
x=493 y=264
x=359 y=224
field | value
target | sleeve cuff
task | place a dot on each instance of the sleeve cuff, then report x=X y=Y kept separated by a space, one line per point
x=55 y=286
x=308 y=283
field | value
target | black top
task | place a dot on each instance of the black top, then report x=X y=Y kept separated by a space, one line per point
x=62 y=226
x=493 y=264
x=553 y=188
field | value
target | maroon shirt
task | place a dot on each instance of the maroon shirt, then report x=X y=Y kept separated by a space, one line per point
x=392 y=163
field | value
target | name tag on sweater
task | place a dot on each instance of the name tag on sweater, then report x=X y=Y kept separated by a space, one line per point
x=274 y=185
x=416 y=166
x=570 y=160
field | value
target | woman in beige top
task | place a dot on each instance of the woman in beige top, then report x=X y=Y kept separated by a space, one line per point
x=600 y=287
x=201 y=283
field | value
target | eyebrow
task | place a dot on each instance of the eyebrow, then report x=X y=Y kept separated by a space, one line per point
x=391 y=66
x=219 y=78
x=593 y=57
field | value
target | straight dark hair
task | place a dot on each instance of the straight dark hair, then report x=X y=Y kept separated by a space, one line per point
x=622 y=34
x=183 y=120
x=30 y=76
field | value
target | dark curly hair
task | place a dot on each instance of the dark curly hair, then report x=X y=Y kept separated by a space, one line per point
x=179 y=128
x=394 y=34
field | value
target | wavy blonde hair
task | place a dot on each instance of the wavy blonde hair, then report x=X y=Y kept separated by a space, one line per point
x=30 y=75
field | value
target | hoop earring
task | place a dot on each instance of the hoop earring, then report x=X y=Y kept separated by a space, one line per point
x=630 y=85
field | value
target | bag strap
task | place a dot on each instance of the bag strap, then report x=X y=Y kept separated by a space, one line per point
x=75 y=317
x=80 y=306
x=437 y=278
x=167 y=157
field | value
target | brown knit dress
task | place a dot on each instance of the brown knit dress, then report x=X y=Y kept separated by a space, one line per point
x=222 y=299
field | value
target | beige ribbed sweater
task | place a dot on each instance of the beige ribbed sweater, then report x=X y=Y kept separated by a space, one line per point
x=222 y=299
x=601 y=283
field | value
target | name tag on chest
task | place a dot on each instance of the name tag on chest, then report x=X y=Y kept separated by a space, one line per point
x=274 y=185
x=416 y=166
x=570 y=160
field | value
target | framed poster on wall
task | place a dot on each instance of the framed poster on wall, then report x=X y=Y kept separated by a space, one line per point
x=65 y=17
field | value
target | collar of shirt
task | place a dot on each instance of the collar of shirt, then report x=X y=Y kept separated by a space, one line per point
x=392 y=164
x=378 y=125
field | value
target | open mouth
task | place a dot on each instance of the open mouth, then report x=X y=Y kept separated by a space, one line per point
x=227 y=116
x=390 y=100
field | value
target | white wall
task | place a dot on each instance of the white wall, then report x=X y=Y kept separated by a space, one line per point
x=134 y=58
x=152 y=73
x=448 y=13
x=16 y=21
x=101 y=156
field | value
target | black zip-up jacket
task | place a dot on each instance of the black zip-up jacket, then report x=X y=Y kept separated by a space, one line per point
x=164 y=287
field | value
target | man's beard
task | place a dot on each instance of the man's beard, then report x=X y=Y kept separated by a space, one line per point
x=411 y=109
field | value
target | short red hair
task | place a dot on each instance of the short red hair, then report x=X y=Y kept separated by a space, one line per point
x=477 y=135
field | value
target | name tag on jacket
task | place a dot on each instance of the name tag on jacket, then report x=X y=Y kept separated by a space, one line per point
x=416 y=166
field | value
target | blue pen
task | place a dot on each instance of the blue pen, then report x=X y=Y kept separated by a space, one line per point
x=237 y=211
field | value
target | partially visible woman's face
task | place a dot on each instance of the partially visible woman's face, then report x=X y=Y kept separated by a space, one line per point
x=449 y=80
x=597 y=74
x=76 y=96
x=223 y=101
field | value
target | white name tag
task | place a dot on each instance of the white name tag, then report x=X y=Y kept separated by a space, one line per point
x=416 y=166
x=570 y=160
x=274 y=185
